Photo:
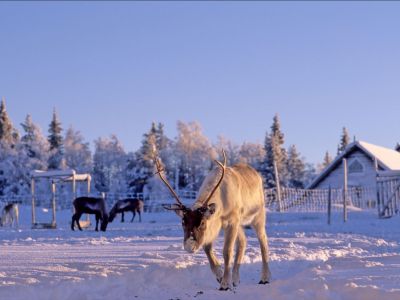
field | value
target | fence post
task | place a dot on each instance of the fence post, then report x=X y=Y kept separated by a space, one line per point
x=278 y=188
x=344 y=190
x=329 y=205
x=33 y=201
x=53 y=203
x=378 y=185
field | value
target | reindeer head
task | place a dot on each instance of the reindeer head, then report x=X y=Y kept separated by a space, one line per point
x=112 y=214
x=194 y=221
x=104 y=223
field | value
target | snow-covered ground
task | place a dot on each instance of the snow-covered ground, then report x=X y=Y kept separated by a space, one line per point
x=309 y=260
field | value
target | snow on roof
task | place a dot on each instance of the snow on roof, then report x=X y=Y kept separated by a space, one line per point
x=386 y=158
x=52 y=173
x=390 y=158
x=64 y=174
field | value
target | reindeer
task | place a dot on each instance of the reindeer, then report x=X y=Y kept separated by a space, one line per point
x=229 y=198
x=9 y=215
x=88 y=205
x=133 y=205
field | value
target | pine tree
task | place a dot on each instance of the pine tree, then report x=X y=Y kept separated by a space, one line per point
x=344 y=140
x=11 y=165
x=295 y=168
x=140 y=167
x=56 y=143
x=327 y=160
x=8 y=134
x=309 y=174
x=162 y=140
x=274 y=153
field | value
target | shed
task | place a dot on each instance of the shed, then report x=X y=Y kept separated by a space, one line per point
x=364 y=160
x=56 y=176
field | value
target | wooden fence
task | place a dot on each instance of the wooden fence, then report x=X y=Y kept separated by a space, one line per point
x=385 y=199
x=303 y=200
x=388 y=196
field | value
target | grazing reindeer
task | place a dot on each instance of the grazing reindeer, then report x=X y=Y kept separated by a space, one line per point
x=88 y=205
x=10 y=215
x=229 y=198
x=133 y=205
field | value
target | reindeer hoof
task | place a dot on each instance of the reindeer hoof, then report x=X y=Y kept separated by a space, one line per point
x=263 y=282
x=223 y=289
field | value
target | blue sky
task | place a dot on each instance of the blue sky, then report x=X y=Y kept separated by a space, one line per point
x=115 y=67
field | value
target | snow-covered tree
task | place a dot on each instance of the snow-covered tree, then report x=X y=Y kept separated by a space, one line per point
x=295 y=168
x=194 y=153
x=309 y=174
x=140 y=167
x=274 y=153
x=109 y=162
x=8 y=134
x=14 y=177
x=252 y=154
x=230 y=148
x=327 y=160
x=162 y=141
x=56 y=157
x=77 y=152
x=11 y=163
x=344 y=140
x=35 y=145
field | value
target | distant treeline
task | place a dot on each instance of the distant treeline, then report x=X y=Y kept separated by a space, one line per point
x=187 y=158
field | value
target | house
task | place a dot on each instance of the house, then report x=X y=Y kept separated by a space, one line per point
x=364 y=161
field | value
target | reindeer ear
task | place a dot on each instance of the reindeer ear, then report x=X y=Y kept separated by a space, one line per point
x=178 y=209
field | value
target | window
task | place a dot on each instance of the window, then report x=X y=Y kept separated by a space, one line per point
x=356 y=167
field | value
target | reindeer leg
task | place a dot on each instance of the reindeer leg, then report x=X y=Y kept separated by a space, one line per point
x=77 y=218
x=214 y=263
x=259 y=227
x=240 y=249
x=229 y=241
x=122 y=217
x=73 y=222
x=140 y=216
x=17 y=216
x=133 y=215
x=97 y=221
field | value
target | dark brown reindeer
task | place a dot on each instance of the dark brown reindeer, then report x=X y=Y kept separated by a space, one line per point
x=229 y=198
x=132 y=205
x=89 y=205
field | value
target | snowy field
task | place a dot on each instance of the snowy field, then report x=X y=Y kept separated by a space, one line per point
x=309 y=260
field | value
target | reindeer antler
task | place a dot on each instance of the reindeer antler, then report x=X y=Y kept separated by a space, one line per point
x=222 y=166
x=159 y=172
